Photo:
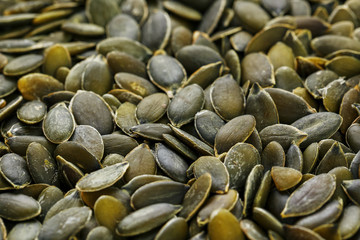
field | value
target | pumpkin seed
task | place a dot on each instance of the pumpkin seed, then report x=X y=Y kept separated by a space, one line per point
x=32 y=112
x=224 y=225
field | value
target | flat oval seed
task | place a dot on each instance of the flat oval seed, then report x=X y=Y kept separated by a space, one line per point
x=83 y=29
x=260 y=104
x=273 y=155
x=108 y=211
x=123 y=25
x=246 y=9
x=196 y=196
x=146 y=219
x=90 y=138
x=239 y=161
x=217 y=170
x=334 y=157
x=99 y=232
x=318 y=80
x=42 y=166
x=349 y=222
x=225 y=201
x=171 y=163
x=125 y=117
x=151 y=131
x=161 y=192
x=156 y=30
x=285 y=178
x=224 y=225
x=56 y=56
x=310 y=196
x=207 y=124
x=297 y=233
x=186 y=103
x=227 y=98
x=252 y=230
x=135 y=84
x=152 y=108
x=141 y=180
x=179 y=147
x=14 y=169
x=141 y=161
x=78 y=155
x=32 y=112
x=251 y=187
x=102 y=178
x=97 y=115
x=268 y=221
x=205 y=75
x=66 y=223
x=167 y=73
x=36 y=85
x=195 y=56
x=318 y=126
x=257 y=68
x=236 y=130
x=23 y=64
x=212 y=16
x=329 y=213
x=176 y=228
x=25 y=230
x=7 y=86
x=58 y=124
x=18 y=207
x=290 y=106
x=283 y=134
x=47 y=198
x=351 y=188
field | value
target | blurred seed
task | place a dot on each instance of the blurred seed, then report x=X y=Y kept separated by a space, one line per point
x=123 y=62
x=7 y=86
x=349 y=222
x=176 y=228
x=330 y=43
x=212 y=16
x=100 y=232
x=268 y=221
x=251 y=230
x=23 y=64
x=123 y=25
x=294 y=232
x=329 y=213
x=135 y=84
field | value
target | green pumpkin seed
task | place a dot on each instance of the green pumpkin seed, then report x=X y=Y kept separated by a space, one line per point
x=257 y=68
x=14 y=169
x=118 y=143
x=333 y=158
x=152 y=108
x=294 y=232
x=19 y=144
x=212 y=16
x=165 y=192
x=285 y=178
x=26 y=230
x=196 y=196
x=8 y=86
x=217 y=170
x=310 y=196
x=207 y=124
x=18 y=207
x=58 y=124
x=141 y=180
x=294 y=158
x=329 y=213
x=123 y=62
x=171 y=163
x=229 y=134
x=23 y=64
x=146 y=219
x=239 y=161
x=141 y=161
x=179 y=147
x=223 y=201
x=32 y=112
x=251 y=230
x=47 y=198
x=42 y=166
x=273 y=155
x=125 y=117
x=109 y=211
x=349 y=222
x=186 y=103
x=36 y=85
x=268 y=221
x=251 y=187
x=100 y=232
x=55 y=57
x=59 y=226
x=135 y=84
x=260 y=104
x=123 y=25
x=152 y=131
x=223 y=224
x=227 y=98
x=174 y=228
x=351 y=189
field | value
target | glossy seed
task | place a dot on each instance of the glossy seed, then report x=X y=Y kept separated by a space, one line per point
x=224 y=225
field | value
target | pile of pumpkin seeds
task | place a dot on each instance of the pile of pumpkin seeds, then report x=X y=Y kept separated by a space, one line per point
x=180 y=119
